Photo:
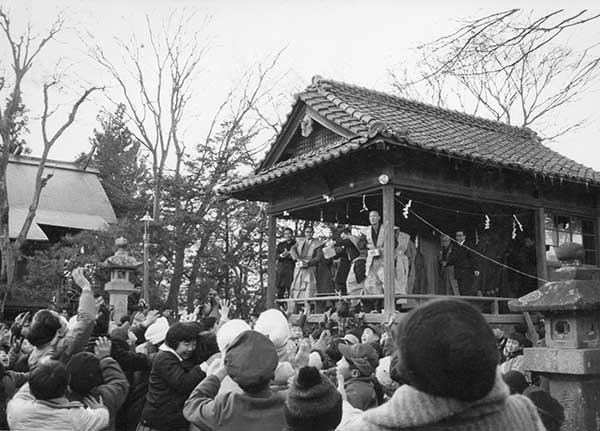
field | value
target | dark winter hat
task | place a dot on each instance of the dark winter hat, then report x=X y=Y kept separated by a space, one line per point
x=121 y=332
x=86 y=374
x=515 y=381
x=333 y=352
x=549 y=409
x=448 y=349
x=251 y=359
x=312 y=403
x=363 y=356
x=43 y=328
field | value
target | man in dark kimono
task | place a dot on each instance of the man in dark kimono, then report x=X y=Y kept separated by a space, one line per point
x=285 y=264
x=465 y=266
x=347 y=251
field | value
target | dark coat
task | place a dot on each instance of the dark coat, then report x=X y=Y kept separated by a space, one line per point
x=348 y=252
x=136 y=367
x=285 y=266
x=168 y=388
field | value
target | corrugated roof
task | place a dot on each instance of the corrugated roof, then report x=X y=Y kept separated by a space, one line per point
x=366 y=112
x=72 y=198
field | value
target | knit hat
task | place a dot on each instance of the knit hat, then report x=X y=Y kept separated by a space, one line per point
x=362 y=356
x=157 y=332
x=549 y=409
x=229 y=332
x=357 y=332
x=352 y=339
x=515 y=381
x=251 y=359
x=274 y=325
x=121 y=332
x=315 y=360
x=86 y=374
x=448 y=349
x=312 y=403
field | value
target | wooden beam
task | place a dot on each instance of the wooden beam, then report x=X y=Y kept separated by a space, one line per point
x=389 y=291
x=540 y=243
x=271 y=260
x=420 y=183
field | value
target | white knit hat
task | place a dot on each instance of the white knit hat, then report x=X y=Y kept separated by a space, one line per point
x=314 y=360
x=274 y=325
x=229 y=332
x=157 y=332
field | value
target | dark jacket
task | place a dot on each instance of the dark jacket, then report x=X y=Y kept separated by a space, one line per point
x=168 y=388
x=347 y=253
x=234 y=411
x=462 y=259
x=285 y=265
x=113 y=390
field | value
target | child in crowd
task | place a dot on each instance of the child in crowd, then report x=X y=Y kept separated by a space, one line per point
x=250 y=361
x=170 y=384
x=44 y=406
x=357 y=367
x=513 y=352
x=516 y=382
x=98 y=375
x=313 y=403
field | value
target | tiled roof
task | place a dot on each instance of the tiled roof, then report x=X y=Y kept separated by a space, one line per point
x=367 y=112
x=287 y=167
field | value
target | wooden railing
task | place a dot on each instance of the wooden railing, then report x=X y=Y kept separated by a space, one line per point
x=495 y=315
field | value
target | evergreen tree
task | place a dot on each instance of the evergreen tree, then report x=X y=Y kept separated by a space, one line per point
x=123 y=173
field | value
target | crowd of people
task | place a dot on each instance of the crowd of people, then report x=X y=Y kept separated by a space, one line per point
x=353 y=264
x=440 y=366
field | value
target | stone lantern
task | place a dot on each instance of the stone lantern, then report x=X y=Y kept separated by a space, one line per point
x=571 y=358
x=121 y=266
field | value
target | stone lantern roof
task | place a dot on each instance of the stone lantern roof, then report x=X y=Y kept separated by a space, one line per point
x=576 y=287
x=121 y=259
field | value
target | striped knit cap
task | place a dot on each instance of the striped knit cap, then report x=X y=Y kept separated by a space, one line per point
x=313 y=403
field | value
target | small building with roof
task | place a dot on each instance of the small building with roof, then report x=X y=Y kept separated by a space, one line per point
x=72 y=200
x=344 y=149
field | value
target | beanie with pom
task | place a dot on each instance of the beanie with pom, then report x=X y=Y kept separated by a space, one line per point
x=313 y=403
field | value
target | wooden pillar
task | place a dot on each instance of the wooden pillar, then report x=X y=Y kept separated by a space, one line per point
x=271 y=260
x=540 y=243
x=389 y=299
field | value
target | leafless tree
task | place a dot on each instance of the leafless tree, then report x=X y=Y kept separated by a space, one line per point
x=24 y=49
x=512 y=66
x=156 y=82
x=157 y=75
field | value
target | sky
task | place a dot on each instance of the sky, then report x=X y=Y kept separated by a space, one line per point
x=353 y=41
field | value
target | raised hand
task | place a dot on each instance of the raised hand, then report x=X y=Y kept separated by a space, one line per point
x=151 y=317
x=79 y=278
x=102 y=348
x=225 y=306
